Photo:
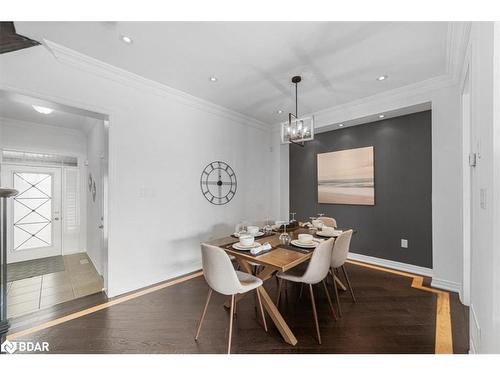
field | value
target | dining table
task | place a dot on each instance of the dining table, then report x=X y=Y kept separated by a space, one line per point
x=280 y=258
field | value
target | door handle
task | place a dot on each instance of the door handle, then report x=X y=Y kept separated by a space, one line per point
x=56 y=219
x=101 y=226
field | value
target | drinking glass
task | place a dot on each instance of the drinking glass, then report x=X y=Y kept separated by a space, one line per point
x=284 y=237
x=267 y=226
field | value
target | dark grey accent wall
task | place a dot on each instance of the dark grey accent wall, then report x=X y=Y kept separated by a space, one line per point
x=403 y=187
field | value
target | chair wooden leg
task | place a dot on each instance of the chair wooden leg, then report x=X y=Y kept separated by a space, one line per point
x=301 y=289
x=315 y=314
x=261 y=309
x=336 y=294
x=329 y=300
x=348 y=283
x=230 y=325
x=203 y=314
x=280 y=284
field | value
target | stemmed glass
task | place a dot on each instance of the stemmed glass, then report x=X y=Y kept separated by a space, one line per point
x=268 y=227
x=284 y=237
x=241 y=228
x=293 y=216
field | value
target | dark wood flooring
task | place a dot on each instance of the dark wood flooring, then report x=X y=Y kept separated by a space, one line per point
x=389 y=317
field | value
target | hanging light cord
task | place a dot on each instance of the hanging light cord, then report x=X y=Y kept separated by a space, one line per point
x=296 y=102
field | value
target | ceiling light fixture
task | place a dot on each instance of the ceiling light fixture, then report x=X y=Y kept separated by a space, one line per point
x=382 y=78
x=280 y=111
x=340 y=125
x=213 y=79
x=43 y=110
x=297 y=130
x=126 y=39
x=381 y=116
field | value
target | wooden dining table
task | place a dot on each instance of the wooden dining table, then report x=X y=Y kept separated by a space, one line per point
x=279 y=259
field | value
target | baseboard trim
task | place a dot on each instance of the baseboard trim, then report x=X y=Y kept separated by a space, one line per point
x=410 y=268
x=450 y=286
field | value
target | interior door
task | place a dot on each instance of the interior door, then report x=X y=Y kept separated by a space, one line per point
x=33 y=216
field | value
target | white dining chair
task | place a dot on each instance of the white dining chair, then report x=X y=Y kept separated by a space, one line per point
x=221 y=277
x=339 y=256
x=329 y=221
x=316 y=272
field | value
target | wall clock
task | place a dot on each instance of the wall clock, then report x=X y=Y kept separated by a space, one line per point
x=218 y=183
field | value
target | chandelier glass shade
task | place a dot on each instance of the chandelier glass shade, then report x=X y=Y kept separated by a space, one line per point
x=298 y=129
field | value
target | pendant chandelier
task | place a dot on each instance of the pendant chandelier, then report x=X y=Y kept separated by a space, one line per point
x=297 y=130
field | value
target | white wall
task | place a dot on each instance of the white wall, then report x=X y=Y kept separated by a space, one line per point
x=95 y=153
x=485 y=257
x=27 y=136
x=160 y=141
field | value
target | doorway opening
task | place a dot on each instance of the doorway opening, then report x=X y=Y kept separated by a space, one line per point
x=55 y=156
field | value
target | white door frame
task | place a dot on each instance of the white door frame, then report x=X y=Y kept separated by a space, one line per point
x=105 y=112
x=467 y=150
x=40 y=252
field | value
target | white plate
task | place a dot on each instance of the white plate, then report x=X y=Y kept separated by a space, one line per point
x=335 y=234
x=258 y=234
x=310 y=245
x=237 y=246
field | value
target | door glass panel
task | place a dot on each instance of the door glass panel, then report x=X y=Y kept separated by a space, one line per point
x=32 y=210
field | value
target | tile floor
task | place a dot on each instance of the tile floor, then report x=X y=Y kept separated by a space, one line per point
x=79 y=279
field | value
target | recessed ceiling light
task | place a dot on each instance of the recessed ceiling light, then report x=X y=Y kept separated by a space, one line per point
x=213 y=79
x=126 y=39
x=43 y=110
x=280 y=111
x=340 y=125
x=381 y=116
x=381 y=78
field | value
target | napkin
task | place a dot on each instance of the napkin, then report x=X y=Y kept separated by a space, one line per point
x=261 y=248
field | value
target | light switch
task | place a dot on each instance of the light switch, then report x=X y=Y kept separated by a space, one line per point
x=404 y=243
x=482 y=198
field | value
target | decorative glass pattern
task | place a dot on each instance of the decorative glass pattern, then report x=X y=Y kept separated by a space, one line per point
x=32 y=210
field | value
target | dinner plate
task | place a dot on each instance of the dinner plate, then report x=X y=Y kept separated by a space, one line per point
x=335 y=234
x=237 y=246
x=310 y=245
x=258 y=234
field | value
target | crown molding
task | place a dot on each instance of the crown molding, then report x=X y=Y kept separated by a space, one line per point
x=456 y=49
x=390 y=99
x=91 y=65
x=457 y=42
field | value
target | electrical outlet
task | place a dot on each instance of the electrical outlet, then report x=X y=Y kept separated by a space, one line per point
x=404 y=243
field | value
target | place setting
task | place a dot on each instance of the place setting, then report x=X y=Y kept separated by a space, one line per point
x=329 y=232
x=247 y=243
x=306 y=242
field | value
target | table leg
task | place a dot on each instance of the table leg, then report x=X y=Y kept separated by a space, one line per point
x=277 y=318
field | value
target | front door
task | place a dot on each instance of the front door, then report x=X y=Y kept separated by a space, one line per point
x=33 y=216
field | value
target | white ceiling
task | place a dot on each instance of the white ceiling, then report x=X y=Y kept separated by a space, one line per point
x=254 y=61
x=19 y=107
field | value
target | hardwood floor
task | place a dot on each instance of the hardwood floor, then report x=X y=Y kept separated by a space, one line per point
x=389 y=317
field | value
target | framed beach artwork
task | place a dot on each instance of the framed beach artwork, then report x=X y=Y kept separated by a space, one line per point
x=346 y=177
